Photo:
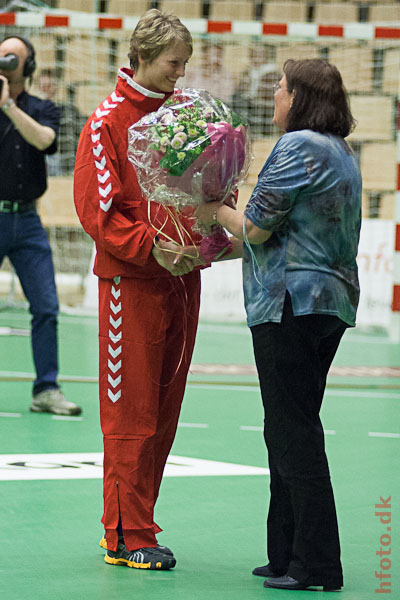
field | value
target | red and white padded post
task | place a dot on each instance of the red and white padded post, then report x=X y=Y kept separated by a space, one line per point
x=395 y=317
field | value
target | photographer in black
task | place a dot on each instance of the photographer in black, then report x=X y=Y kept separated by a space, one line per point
x=28 y=131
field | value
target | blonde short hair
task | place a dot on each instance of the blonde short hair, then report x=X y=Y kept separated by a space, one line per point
x=155 y=32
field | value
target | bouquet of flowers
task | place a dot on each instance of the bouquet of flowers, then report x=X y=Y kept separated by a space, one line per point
x=192 y=149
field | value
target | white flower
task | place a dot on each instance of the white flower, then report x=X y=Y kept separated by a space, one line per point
x=181 y=117
x=181 y=155
x=176 y=143
x=201 y=123
x=178 y=128
x=168 y=118
x=192 y=132
x=182 y=136
x=164 y=141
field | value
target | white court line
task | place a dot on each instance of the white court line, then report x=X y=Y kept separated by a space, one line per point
x=383 y=434
x=89 y=465
x=362 y=394
x=12 y=331
x=16 y=374
x=329 y=392
x=194 y=425
x=11 y=415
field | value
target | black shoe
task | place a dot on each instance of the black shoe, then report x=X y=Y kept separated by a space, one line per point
x=288 y=583
x=266 y=571
x=144 y=558
x=163 y=549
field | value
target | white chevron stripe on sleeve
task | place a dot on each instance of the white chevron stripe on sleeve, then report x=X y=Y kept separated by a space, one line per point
x=105 y=191
x=100 y=164
x=116 y=98
x=101 y=113
x=114 y=337
x=103 y=178
x=116 y=323
x=114 y=397
x=114 y=352
x=115 y=308
x=96 y=124
x=105 y=206
x=97 y=150
x=106 y=104
x=116 y=367
x=114 y=382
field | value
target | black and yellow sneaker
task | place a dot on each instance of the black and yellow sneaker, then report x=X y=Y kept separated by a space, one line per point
x=163 y=549
x=144 y=558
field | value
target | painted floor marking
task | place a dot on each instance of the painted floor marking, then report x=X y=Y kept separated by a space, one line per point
x=383 y=434
x=11 y=415
x=230 y=369
x=89 y=465
x=12 y=331
x=363 y=394
x=334 y=371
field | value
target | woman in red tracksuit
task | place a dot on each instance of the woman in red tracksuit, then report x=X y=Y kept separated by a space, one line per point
x=148 y=296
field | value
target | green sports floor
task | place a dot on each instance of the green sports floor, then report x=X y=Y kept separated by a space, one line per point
x=214 y=496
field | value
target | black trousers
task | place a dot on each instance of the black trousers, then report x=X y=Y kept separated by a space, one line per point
x=293 y=358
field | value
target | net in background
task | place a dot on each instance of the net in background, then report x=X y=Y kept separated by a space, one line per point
x=77 y=68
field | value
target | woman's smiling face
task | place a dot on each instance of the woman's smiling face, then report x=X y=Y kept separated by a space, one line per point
x=163 y=72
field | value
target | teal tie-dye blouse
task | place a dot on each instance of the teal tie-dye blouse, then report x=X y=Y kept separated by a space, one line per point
x=309 y=194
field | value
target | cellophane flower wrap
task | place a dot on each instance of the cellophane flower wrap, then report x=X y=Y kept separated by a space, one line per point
x=192 y=149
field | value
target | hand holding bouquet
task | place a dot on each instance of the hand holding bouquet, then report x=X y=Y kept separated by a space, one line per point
x=192 y=150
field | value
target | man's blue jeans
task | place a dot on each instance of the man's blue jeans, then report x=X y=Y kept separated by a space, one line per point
x=24 y=240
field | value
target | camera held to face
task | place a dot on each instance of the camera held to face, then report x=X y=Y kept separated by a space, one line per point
x=9 y=62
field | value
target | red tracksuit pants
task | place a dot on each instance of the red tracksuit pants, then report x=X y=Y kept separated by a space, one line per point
x=147 y=330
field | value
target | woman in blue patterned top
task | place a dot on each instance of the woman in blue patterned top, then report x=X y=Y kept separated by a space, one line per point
x=300 y=233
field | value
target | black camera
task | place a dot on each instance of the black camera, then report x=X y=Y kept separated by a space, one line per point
x=9 y=62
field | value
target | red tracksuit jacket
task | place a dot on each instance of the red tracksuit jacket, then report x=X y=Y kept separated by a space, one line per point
x=108 y=199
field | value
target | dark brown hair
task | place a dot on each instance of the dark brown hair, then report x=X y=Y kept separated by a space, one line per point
x=320 y=99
